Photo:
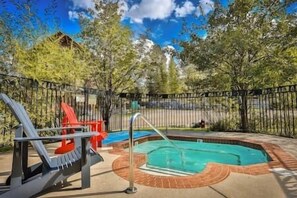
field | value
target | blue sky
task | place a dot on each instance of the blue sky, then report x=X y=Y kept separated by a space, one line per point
x=163 y=18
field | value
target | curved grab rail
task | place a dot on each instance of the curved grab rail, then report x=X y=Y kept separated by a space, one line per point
x=132 y=189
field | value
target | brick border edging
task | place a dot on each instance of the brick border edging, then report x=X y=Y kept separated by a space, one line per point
x=213 y=173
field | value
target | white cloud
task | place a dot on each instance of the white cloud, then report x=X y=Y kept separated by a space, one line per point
x=144 y=47
x=168 y=58
x=83 y=4
x=77 y=6
x=149 y=44
x=174 y=20
x=204 y=7
x=151 y=9
x=73 y=15
x=123 y=8
x=165 y=43
x=170 y=47
x=186 y=9
x=168 y=53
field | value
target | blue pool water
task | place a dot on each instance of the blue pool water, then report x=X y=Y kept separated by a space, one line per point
x=124 y=135
x=193 y=157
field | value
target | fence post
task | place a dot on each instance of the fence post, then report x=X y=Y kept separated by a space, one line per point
x=121 y=114
x=86 y=103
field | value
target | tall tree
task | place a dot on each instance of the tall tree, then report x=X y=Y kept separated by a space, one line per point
x=247 y=47
x=244 y=42
x=195 y=79
x=174 y=82
x=114 y=63
x=162 y=79
x=157 y=75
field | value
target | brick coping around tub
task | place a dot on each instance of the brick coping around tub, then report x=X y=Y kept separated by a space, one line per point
x=213 y=173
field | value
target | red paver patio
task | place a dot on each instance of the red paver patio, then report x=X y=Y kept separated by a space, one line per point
x=213 y=173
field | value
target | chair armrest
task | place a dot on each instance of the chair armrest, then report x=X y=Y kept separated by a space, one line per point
x=83 y=123
x=61 y=128
x=57 y=137
x=92 y=121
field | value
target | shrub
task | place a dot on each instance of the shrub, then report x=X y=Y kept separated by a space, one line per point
x=224 y=125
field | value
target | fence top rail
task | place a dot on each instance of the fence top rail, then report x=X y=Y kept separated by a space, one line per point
x=253 y=92
x=71 y=88
x=12 y=79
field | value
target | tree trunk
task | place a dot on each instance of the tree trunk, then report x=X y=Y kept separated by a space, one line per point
x=243 y=111
x=107 y=109
x=106 y=119
x=106 y=115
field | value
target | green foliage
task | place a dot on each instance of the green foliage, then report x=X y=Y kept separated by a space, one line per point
x=27 y=49
x=6 y=46
x=113 y=60
x=114 y=64
x=49 y=61
x=225 y=125
x=157 y=78
x=27 y=23
x=192 y=78
x=247 y=46
x=6 y=148
x=161 y=79
x=174 y=82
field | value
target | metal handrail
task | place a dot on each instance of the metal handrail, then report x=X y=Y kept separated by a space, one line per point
x=132 y=189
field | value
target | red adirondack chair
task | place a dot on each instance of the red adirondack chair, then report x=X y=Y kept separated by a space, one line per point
x=70 y=119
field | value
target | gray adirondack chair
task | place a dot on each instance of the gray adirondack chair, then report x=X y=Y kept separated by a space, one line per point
x=27 y=181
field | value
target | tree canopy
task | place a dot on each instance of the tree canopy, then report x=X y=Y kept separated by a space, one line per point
x=113 y=59
x=157 y=77
x=174 y=82
x=250 y=44
x=50 y=61
x=28 y=49
x=114 y=62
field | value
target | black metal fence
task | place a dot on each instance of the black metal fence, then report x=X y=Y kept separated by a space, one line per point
x=42 y=101
x=271 y=111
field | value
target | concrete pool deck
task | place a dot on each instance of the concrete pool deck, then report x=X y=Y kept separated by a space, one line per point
x=105 y=183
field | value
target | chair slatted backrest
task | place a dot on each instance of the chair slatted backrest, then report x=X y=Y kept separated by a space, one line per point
x=70 y=114
x=22 y=117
